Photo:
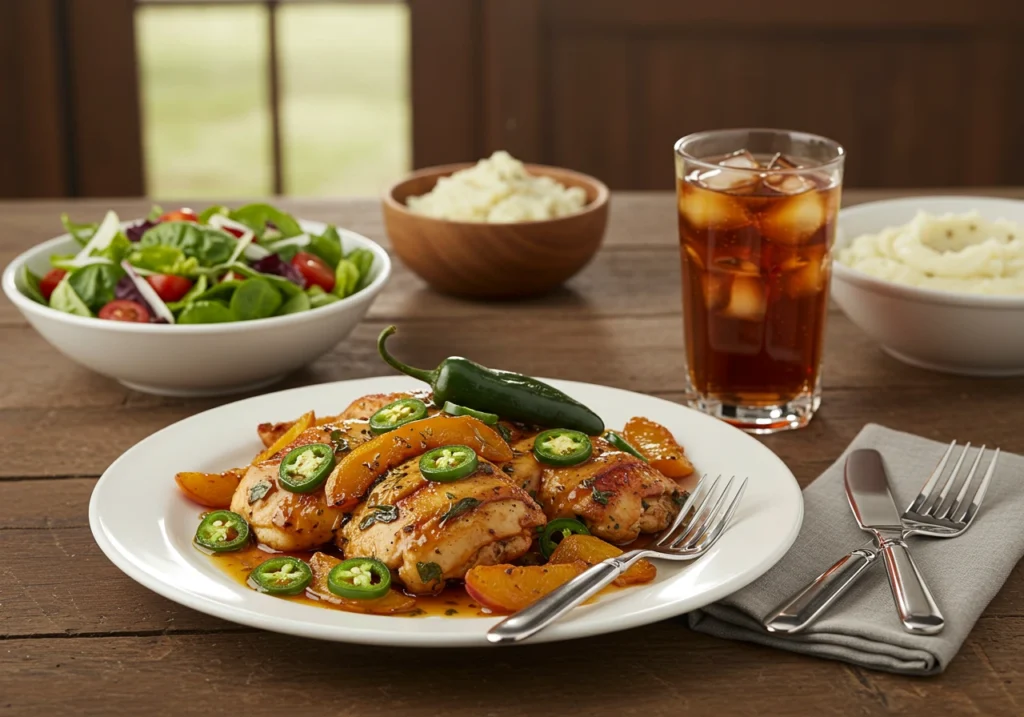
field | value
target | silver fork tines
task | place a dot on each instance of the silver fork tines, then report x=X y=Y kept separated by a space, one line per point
x=701 y=522
x=971 y=509
x=930 y=508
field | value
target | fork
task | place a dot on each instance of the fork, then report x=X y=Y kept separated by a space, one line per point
x=713 y=507
x=927 y=515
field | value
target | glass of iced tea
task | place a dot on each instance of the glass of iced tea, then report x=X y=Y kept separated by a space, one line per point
x=757 y=217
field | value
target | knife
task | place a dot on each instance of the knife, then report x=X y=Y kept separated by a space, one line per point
x=867 y=489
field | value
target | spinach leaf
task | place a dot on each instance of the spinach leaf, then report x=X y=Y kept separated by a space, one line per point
x=299 y=302
x=346 y=278
x=429 y=572
x=207 y=245
x=379 y=514
x=65 y=299
x=363 y=259
x=28 y=284
x=163 y=259
x=320 y=298
x=256 y=216
x=118 y=249
x=463 y=506
x=94 y=284
x=326 y=246
x=81 y=233
x=287 y=253
x=222 y=291
x=206 y=312
x=255 y=299
x=194 y=293
x=206 y=214
x=287 y=288
x=154 y=213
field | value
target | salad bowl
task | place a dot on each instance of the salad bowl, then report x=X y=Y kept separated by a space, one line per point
x=196 y=359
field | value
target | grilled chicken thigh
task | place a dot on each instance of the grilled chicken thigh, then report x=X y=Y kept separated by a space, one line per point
x=617 y=495
x=284 y=520
x=361 y=408
x=429 y=532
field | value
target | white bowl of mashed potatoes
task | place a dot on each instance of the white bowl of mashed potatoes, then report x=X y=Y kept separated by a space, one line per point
x=937 y=281
x=497 y=228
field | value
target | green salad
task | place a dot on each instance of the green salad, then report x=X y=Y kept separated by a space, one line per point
x=180 y=267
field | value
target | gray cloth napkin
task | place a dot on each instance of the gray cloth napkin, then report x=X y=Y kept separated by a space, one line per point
x=862 y=628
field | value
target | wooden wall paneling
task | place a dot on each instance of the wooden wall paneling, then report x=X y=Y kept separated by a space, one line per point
x=992 y=139
x=889 y=98
x=446 y=73
x=1011 y=145
x=671 y=15
x=515 y=75
x=595 y=122
x=104 y=107
x=32 y=138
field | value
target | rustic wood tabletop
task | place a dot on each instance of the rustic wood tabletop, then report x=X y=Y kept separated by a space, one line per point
x=80 y=637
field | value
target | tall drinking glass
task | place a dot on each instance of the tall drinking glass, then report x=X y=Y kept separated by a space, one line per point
x=757 y=218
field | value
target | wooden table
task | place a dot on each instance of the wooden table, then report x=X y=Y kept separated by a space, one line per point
x=78 y=636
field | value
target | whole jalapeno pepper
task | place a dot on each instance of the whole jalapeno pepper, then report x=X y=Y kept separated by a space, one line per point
x=509 y=395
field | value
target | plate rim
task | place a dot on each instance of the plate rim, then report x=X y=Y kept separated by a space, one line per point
x=379 y=634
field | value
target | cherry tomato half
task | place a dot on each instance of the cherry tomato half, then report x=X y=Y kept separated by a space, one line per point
x=314 y=270
x=49 y=282
x=179 y=215
x=125 y=310
x=169 y=287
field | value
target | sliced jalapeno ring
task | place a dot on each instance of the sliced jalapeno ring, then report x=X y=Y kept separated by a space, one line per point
x=397 y=413
x=562 y=447
x=305 y=468
x=359 y=579
x=281 y=576
x=448 y=463
x=454 y=409
x=222 y=531
x=623 y=445
x=556 y=531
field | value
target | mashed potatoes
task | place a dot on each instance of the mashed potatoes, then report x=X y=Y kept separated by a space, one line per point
x=498 y=190
x=952 y=252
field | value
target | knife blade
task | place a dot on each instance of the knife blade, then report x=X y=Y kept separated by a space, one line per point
x=867 y=490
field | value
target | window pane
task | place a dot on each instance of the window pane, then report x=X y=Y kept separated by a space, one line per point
x=344 y=91
x=203 y=80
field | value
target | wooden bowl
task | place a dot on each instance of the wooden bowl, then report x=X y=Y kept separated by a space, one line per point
x=495 y=261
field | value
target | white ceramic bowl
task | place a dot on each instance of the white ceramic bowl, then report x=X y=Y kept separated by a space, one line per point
x=967 y=334
x=197 y=360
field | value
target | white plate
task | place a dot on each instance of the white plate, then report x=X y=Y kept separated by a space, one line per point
x=145 y=526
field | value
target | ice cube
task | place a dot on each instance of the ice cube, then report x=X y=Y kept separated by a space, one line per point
x=807 y=279
x=736 y=178
x=717 y=286
x=740 y=158
x=737 y=265
x=694 y=256
x=730 y=180
x=747 y=299
x=788 y=183
x=794 y=220
x=781 y=161
x=707 y=209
